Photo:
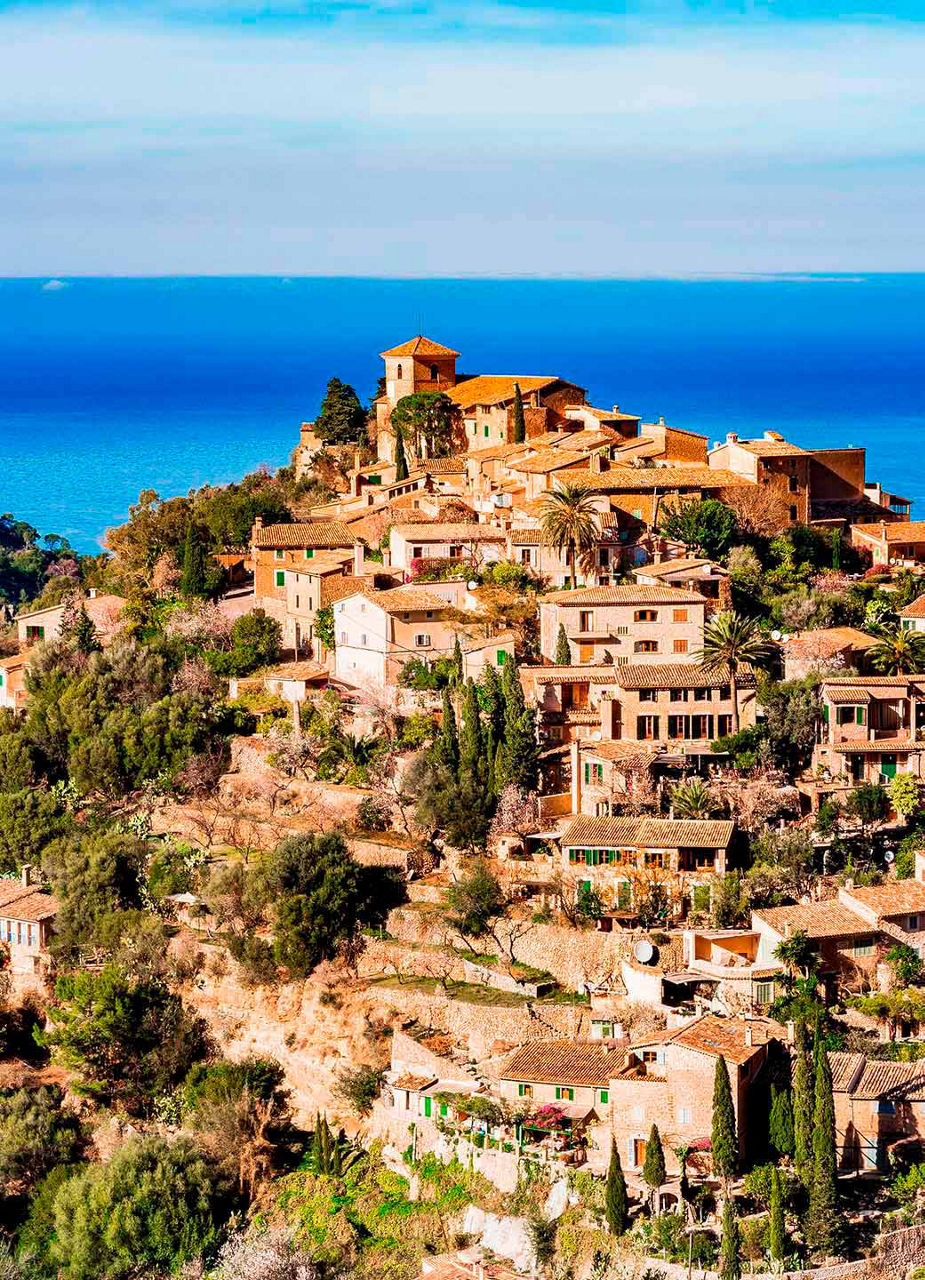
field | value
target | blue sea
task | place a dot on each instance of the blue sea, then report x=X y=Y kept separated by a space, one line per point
x=111 y=386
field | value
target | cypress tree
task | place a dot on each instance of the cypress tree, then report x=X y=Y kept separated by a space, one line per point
x=470 y=739
x=563 y=654
x=776 y=1242
x=317 y=1146
x=821 y=1222
x=488 y=762
x=448 y=742
x=802 y=1105
x=521 y=754
x=730 y=1265
x=325 y=1146
x=497 y=775
x=458 y=659
x=492 y=699
x=724 y=1139
x=653 y=1169
x=401 y=462
x=615 y=1193
x=193 y=577
x=519 y=426
x=780 y=1121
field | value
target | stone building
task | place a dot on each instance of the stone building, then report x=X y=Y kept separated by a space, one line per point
x=870 y=728
x=27 y=917
x=278 y=548
x=623 y=623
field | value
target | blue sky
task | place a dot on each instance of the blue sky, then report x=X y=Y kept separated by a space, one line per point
x=461 y=137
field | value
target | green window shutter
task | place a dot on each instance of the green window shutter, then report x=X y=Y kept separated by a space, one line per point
x=587 y=773
x=309 y=553
x=605 y=1095
x=558 y=1093
x=520 y=1091
x=825 y=712
x=428 y=1105
x=1 y=679
x=501 y=655
x=280 y=578
x=486 y=430
x=443 y=1109
x=858 y=715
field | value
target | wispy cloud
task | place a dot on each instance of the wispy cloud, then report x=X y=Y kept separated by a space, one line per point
x=370 y=138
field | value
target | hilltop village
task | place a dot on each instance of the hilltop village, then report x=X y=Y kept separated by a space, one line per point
x=491 y=846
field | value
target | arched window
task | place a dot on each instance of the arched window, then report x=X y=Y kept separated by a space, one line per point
x=398 y=374
x=434 y=373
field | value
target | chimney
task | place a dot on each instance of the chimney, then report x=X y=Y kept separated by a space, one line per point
x=671 y=813
x=27 y=875
x=616 y=408
x=359 y=556
x=661 y=421
x=575 y=763
x=731 y=437
x=91 y=594
x=596 y=464
x=748 y=1035
x=883 y=530
x=791 y=1031
x=386 y=557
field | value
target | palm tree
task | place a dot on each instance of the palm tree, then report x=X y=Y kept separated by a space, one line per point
x=899 y=652
x=692 y=799
x=731 y=642
x=568 y=522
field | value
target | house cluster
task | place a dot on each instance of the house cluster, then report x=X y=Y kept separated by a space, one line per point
x=408 y=512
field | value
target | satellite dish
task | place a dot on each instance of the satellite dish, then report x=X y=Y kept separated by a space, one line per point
x=776 y=635
x=785 y=637
x=471 y=586
x=889 y=857
x=644 y=951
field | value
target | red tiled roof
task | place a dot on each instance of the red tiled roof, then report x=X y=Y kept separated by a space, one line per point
x=26 y=902
x=829 y=919
x=571 y=1062
x=623 y=593
x=490 y=388
x=419 y=346
x=647 y=833
x=433 y=531
x=895 y=897
x=675 y=675
x=914 y=610
x=316 y=533
x=721 y=1037
x=638 y=479
x=898 y=531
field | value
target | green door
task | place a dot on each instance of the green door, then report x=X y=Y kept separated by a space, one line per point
x=888 y=766
x=427 y=1106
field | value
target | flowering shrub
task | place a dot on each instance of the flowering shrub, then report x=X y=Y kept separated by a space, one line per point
x=548 y=1116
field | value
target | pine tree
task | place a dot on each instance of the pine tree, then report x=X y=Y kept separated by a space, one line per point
x=776 y=1240
x=470 y=739
x=821 y=1221
x=84 y=635
x=193 y=577
x=802 y=1106
x=401 y=462
x=448 y=742
x=653 y=1169
x=615 y=1193
x=519 y=426
x=458 y=659
x=724 y=1140
x=780 y=1121
x=730 y=1264
x=563 y=654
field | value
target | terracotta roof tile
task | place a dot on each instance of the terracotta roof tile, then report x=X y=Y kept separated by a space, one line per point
x=893 y=1081
x=772 y=448
x=845 y=1068
x=317 y=533
x=623 y=593
x=882 y=745
x=898 y=531
x=444 y=466
x=26 y=902
x=721 y=1037
x=847 y=697
x=597 y=674
x=895 y=897
x=405 y=599
x=666 y=567
x=914 y=610
x=647 y=833
x=434 y=531
x=415 y=1083
x=675 y=675
x=829 y=919
x=828 y=640
x=419 y=346
x=548 y=460
x=639 y=479
x=489 y=388
x=571 y=1062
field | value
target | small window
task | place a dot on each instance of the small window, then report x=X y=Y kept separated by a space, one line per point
x=913 y=923
x=648 y=695
x=363 y=640
x=500 y=657
x=764 y=992
x=434 y=373
x=605 y=1096
x=525 y=1090
x=280 y=577
x=486 y=430
x=398 y=372
x=645 y=615
x=645 y=646
x=680 y=646
x=280 y=555
x=417 y=553
x=680 y=615
x=564 y=1093
x=422 y=640
x=685 y=1115
x=863 y=949
x=343 y=637
x=885 y=1108
x=309 y=553
x=793 y=513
